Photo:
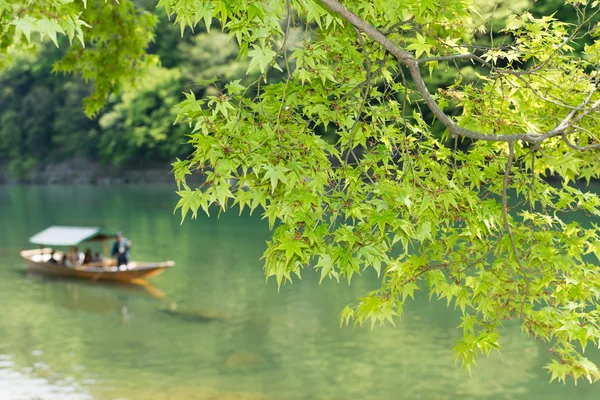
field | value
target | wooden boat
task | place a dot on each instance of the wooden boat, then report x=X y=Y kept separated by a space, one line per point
x=47 y=260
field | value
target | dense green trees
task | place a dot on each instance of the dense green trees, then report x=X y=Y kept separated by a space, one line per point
x=140 y=125
x=438 y=187
x=42 y=118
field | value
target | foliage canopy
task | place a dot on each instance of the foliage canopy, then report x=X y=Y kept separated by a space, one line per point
x=470 y=214
x=42 y=122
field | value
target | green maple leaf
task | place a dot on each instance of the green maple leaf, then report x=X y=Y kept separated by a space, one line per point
x=221 y=194
x=261 y=57
x=74 y=29
x=326 y=264
x=206 y=12
x=190 y=200
x=50 y=28
x=293 y=247
x=590 y=369
x=424 y=231
x=420 y=46
x=25 y=26
x=234 y=87
x=275 y=174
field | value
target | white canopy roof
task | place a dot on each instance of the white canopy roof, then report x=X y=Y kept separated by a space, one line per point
x=68 y=235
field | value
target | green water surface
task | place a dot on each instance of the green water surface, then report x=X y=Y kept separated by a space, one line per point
x=212 y=328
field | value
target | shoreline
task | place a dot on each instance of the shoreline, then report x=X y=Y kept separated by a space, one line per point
x=85 y=172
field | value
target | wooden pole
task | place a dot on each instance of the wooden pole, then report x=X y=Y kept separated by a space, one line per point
x=74 y=257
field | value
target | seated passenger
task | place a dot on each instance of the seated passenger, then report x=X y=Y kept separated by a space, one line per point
x=87 y=257
x=65 y=261
x=79 y=257
x=52 y=260
x=97 y=257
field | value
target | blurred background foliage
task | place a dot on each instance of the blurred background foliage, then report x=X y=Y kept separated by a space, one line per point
x=42 y=119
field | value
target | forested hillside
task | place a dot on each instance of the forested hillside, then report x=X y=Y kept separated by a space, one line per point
x=42 y=119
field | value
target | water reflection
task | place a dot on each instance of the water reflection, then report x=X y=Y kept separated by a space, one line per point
x=15 y=385
x=105 y=298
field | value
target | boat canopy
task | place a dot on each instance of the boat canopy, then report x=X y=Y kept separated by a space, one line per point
x=69 y=235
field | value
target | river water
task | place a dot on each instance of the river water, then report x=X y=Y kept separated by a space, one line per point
x=212 y=328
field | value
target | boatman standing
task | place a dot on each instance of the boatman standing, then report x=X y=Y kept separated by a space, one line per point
x=121 y=250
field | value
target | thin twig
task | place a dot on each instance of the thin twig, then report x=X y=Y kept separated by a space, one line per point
x=579 y=148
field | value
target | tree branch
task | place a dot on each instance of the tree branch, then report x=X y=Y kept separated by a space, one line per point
x=498 y=71
x=569 y=121
x=408 y=60
x=579 y=148
x=452 y=57
x=363 y=83
x=511 y=157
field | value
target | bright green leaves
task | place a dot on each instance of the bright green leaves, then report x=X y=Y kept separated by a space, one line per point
x=75 y=30
x=326 y=265
x=4 y=6
x=424 y=232
x=275 y=174
x=180 y=170
x=115 y=56
x=254 y=25
x=234 y=87
x=514 y=21
x=420 y=46
x=193 y=200
x=189 y=13
x=260 y=57
x=315 y=13
x=578 y=368
x=376 y=307
x=191 y=108
x=342 y=161
x=190 y=200
x=559 y=371
x=46 y=18
x=50 y=28
x=471 y=345
x=221 y=105
x=534 y=35
x=24 y=26
x=292 y=248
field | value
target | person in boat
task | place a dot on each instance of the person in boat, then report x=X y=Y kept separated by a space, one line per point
x=97 y=257
x=52 y=260
x=66 y=261
x=87 y=256
x=79 y=257
x=121 y=249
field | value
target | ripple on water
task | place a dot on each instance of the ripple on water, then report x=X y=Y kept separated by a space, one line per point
x=15 y=385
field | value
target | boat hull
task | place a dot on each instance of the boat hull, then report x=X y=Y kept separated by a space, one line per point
x=135 y=270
